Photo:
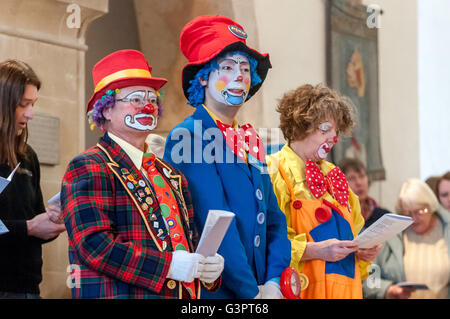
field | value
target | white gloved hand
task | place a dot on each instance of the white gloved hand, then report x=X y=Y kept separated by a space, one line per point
x=184 y=266
x=258 y=296
x=210 y=268
x=271 y=290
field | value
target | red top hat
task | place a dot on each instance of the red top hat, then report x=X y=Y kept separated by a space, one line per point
x=205 y=37
x=122 y=69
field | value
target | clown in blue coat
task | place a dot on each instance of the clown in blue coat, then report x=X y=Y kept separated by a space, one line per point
x=224 y=162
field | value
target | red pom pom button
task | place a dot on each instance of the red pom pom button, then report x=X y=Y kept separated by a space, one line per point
x=297 y=204
x=322 y=215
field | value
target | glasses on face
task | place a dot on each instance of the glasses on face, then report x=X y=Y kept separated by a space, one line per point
x=137 y=98
x=416 y=212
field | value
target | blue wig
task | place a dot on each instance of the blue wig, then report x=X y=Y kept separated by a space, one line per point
x=196 y=91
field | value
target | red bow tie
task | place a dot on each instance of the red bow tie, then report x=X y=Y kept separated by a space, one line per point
x=241 y=140
x=335 y=182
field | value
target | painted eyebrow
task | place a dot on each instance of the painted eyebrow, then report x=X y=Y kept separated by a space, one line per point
x=234 y=61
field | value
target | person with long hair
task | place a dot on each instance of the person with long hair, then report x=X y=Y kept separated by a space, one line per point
x=22 y=211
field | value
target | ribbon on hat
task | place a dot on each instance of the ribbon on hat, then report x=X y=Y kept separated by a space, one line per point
x=243 y=140
x=335 y=182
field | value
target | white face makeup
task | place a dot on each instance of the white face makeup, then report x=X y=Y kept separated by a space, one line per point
x=146 y=120
x=230 y=84
x=325 y=128
x=135 y=110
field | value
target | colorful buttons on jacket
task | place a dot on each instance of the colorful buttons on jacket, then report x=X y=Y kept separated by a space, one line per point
x=322 y=214
x=297 y=204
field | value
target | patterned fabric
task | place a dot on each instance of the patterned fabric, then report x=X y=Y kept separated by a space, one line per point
x=114 y=250
x=334 y=182
x=243 y=140
x=169 y=210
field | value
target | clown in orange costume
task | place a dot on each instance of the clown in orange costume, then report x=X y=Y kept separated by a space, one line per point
x=323 y=214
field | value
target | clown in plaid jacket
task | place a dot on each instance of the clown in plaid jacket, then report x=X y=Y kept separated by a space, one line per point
x=115 y=249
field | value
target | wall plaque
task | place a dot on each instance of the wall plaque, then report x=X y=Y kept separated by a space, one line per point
x=43 y=136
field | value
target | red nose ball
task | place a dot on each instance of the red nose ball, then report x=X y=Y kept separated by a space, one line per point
x=148 y=109
x=335 y=140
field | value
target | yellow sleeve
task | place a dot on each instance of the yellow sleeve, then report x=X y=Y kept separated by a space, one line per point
x=358 y=224
x=298 y=241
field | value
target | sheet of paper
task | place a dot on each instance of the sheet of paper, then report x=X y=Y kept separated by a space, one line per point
x=216 y=226
x=3 y=228
x=386 y=227
x=411 y=285
x=5 y=181
x=56 y=200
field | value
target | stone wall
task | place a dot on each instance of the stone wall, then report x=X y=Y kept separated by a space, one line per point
x=43 y=34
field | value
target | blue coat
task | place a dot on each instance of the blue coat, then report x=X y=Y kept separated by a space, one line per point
x=256 y=247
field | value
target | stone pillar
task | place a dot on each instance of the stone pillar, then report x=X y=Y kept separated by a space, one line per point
x=49 y=36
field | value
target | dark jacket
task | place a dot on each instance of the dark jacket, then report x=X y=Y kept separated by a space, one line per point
x=21 y=255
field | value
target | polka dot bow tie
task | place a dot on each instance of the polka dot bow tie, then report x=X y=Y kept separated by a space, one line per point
x=243 y=140
x=335 y=182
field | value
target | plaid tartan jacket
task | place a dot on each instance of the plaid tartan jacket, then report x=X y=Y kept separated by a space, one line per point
x=115 y=251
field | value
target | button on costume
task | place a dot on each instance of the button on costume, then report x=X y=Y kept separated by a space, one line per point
x=227 y=175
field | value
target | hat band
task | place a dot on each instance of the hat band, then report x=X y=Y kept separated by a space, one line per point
x=129 y=73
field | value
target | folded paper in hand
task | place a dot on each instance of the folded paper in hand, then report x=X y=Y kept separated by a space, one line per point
x=411 y=285
x=386 y=227
x=216 y=226
x=56 y=200
x=5 y=181
x=3 y=228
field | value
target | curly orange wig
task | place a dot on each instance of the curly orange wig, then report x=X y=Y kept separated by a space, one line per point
x=302 y=110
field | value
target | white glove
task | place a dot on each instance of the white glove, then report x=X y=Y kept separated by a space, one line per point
x=271 y=290
x=258 y=296
x=184 y=266
x=210 y=268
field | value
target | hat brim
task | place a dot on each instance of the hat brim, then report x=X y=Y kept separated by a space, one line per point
x=155 y=83
x=191 y=69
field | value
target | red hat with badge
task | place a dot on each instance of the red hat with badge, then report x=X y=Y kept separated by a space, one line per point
x=121 y=69
x=205 y=37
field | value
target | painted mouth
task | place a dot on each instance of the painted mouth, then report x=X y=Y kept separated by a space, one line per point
x=141 y=122
x=323 y=151
x=148 y=120
x=236 y=92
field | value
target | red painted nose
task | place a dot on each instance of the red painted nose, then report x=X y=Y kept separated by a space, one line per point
x=335 y=139
x=148 y=109
x=240 y=78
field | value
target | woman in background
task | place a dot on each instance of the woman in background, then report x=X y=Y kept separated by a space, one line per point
x=443 y=190
x=420 y=254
